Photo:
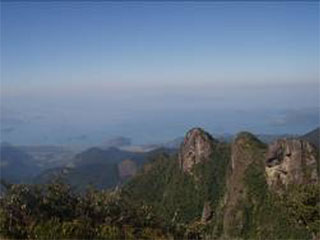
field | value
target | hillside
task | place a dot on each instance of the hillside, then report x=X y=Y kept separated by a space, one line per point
x=48 y=156
x=313 y=137
x=16 y=165
x=99 y=168
x=231 y=190
x=209 y=189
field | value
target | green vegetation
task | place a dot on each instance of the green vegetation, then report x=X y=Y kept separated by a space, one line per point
x=163 y=202
x=55 y=211
x=256 y=212
x=266 y=215
x=303 y=206
x=179 y=197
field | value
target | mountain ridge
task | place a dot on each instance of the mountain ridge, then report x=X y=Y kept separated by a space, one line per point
x=226 y=188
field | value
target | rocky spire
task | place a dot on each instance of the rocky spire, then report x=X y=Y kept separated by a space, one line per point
x=197 y=146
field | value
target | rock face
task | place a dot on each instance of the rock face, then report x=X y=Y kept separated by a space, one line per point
x=127 y=169
x=197 y=146
x=291 y=162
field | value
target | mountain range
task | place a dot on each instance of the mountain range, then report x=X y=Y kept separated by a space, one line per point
x=102 y=166
x=99 y=168
x=245 y=189
x=208 y=188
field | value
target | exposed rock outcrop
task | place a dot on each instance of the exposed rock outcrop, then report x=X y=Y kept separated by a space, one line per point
x=291 y=161
x=197 y=146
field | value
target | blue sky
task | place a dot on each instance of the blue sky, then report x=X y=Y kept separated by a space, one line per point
x=150 y=71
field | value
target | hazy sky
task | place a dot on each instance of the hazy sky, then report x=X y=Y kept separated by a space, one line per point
x=151 y=71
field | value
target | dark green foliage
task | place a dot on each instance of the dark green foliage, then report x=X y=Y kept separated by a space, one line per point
x=55 y=211
x=149 y=184
x=252 y=142
x=303 y=206
x=256 y=182
x=164 y=202
x=181 y=200
x=179 y=197
x=102 y=176
x=257 y=212
x=265 y=215
x=211 y=174
x=24 y=206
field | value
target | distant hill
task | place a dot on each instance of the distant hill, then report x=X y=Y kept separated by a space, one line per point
x=100 y=168
x=117 y=142
x=48 y=156
x=111 y=155
x=175 y=143
x=269 y=138
x=313 y=137
x=16 y=165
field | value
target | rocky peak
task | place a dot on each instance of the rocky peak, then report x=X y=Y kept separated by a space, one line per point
x=197 y=146
x=291 y=161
